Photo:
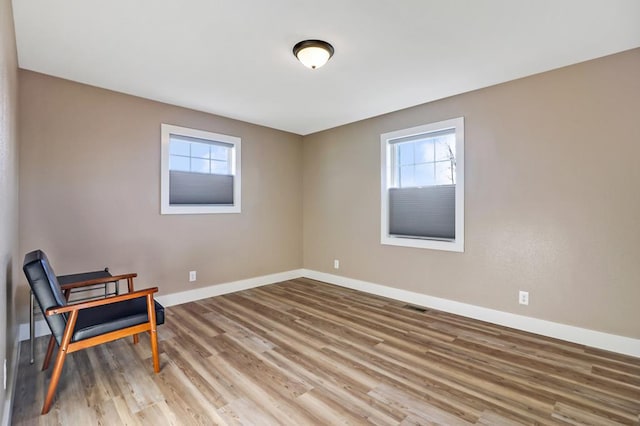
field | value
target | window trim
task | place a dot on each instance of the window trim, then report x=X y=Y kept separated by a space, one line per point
x=387 y=172
x=166 y=131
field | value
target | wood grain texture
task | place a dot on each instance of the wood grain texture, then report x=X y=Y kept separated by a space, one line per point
x=304 y=352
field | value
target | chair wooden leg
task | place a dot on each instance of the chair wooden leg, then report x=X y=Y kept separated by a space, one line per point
x=154 y=350
x=57 y=368
x=153 y=333
x=55 y=378
x=47 y=358
x=130 y=288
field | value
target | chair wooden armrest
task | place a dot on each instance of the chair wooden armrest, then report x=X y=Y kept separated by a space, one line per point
x=95 y=281
x=100 y=302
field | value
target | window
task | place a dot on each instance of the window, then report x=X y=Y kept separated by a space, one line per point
x=200 y=172
x=422 y=198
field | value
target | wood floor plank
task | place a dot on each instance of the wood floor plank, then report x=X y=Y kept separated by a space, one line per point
x=336 y=387
x=619 y=389
x=183 y=397
x=414 y=407
x=516 y=378
x=156 y=414
x=244 y=412
x=189 y=367
x=303 y=352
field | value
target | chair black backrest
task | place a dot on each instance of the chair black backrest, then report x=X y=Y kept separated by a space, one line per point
x=45 y=287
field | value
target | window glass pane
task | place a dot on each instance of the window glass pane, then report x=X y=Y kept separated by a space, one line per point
x=200 y=165
x=200 y=150
x=405 y=153
x=445 y=173
x=220 y=152
x=445 y=147
x=178 y=148
x=220 y=167
x=424 y=150
x=451 y=140
x=406 y=176
x=424 y=175
x=179 y=163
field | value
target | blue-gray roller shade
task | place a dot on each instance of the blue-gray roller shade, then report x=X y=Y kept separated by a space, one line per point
x=425 y=212
x=200 y=188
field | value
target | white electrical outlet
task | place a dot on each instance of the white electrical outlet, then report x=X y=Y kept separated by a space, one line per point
x=523 y=297
x=336 y=264
x=192 y=276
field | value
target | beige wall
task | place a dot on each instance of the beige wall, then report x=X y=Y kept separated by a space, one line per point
x=551 y=195
x=552 y=198
x=90 y=185
x=9 y=262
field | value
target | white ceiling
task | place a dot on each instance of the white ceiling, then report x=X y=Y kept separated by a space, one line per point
x=233 y=57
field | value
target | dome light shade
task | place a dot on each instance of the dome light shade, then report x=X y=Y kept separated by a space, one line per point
x=313 y=53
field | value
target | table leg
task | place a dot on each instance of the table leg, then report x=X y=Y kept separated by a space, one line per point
x=31 y=328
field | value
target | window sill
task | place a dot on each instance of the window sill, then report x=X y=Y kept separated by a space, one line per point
x=456 y=246
x=199 y=209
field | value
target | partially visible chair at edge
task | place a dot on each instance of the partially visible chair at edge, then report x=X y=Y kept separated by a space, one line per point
x=76 y=326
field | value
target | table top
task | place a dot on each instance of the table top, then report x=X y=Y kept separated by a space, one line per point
x=84 y=276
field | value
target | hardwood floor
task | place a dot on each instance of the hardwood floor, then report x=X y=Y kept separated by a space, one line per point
x=303 y=352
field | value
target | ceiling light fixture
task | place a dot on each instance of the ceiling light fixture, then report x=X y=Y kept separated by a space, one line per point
x=313 y=53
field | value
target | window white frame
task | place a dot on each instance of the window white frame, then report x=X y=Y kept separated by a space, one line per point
x=235 y=164
x=387 y=174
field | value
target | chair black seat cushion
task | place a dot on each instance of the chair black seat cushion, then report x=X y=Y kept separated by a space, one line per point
x=116 y=316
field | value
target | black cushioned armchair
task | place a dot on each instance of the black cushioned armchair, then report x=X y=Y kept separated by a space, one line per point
x=81 y=325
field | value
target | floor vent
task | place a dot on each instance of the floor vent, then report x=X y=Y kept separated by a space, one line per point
x=416 y=308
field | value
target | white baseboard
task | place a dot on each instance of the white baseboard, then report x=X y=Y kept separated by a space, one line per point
x=41 y=328
x=231 y=287
x=583 y=336
x=11 y=389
